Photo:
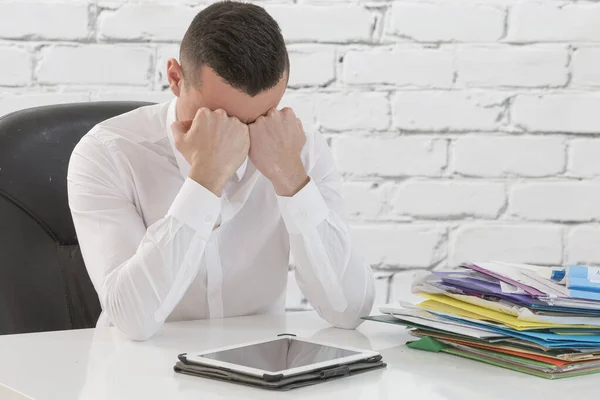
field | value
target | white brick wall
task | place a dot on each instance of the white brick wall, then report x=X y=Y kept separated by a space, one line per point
x=490 y=156
x=43 y=20
x=16 y=68
x=498 y=66
x=463 y=129
x=94 y=64
x=446 y=21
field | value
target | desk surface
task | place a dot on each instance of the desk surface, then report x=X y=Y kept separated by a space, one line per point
x=102 y=364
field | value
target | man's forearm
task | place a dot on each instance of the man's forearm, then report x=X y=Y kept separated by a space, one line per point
x=330 y=272
x=141 y=293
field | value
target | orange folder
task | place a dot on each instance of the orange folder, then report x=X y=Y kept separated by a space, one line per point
x=549 y=360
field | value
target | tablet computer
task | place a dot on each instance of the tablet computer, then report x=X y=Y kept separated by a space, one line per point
x=281 y=357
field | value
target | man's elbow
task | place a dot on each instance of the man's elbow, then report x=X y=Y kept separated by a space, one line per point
x=352 y=316
x=139 y=335
x=137 y=331
x=132 y=324
x=347 y=323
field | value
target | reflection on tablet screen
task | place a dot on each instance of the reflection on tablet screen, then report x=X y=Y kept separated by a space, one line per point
x=280 y=355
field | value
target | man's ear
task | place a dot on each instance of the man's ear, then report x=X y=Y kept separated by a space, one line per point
x=175 y=76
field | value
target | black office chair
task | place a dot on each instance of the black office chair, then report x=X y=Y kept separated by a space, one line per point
x=44 y=285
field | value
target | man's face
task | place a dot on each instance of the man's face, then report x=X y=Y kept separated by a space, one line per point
x=213 y=93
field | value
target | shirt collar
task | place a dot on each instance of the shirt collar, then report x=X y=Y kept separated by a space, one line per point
x=184 y=166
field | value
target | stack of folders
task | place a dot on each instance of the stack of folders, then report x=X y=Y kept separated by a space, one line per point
x=536 y=320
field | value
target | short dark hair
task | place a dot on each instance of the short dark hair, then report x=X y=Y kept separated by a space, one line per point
x=241 y=42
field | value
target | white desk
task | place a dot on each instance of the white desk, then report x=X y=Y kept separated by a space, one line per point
x=101 y=364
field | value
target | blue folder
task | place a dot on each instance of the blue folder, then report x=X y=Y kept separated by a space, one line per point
x=583 y=282
x=547 y=339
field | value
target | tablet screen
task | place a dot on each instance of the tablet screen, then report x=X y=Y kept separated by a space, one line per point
x=279 y=355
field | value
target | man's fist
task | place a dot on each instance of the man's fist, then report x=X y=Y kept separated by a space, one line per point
x=276 y=142
x=215 y=146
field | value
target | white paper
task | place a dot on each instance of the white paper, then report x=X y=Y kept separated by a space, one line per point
x=526 y=275
x=526 y=315
x=593 y=274
x=574 y=303
x=510 y=289
x=423 y=317
x=450 y=327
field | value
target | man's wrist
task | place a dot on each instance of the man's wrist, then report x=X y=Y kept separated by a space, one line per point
x=211 y=182
x=288 y=183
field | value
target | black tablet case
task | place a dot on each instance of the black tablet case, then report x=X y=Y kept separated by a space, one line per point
x=278 y=382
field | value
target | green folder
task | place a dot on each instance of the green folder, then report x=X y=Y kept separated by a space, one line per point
x=515 y=363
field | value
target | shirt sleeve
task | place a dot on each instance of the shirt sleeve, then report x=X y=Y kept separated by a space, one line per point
x=329 y=269
x=140 y=274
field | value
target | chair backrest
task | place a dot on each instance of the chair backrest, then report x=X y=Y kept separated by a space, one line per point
x=43 y=281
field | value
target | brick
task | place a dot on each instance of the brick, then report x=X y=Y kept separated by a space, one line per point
x=344 y=111
x=401 y=286
x=411 y=246
x=114 y=4
x=133 y=95
x=573 y=113
x=401 y=156
x=582 y=245
x=584 y=65
x=364 y=200
x=17 y=67
x=561 y=22
x=303 y=105
x=311 y=66
x=314 y=23
x=556 y=201
x=14 y=102
x=146 y=22
x=95 y=64
x=536 y=244
x=418 y=67
x=446 y=22
x=449 y=110
x=531 y=66
x=43 y=20
x=319 y=1
x=501 y=156
x=584 y=158
x=449 y=199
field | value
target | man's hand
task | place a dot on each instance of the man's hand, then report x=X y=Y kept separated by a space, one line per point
x=276 y=142
x=215 y=146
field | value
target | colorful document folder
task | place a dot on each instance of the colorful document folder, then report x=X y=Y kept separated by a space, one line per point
x=583 y=282
x=508 y=315
x=538 y=367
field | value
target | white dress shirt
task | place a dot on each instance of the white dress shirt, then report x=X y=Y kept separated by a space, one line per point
x=159 y=246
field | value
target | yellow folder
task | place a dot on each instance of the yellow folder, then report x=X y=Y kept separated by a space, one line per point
x=446 y=304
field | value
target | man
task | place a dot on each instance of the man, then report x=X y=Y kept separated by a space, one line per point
x=189 y=210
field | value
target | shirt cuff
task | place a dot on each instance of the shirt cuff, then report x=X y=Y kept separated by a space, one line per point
x=196 y=206
x=303 y=211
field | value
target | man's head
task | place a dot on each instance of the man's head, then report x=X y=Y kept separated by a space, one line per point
x=233 y=57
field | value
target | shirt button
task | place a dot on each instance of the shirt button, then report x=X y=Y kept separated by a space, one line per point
x=301 y=213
